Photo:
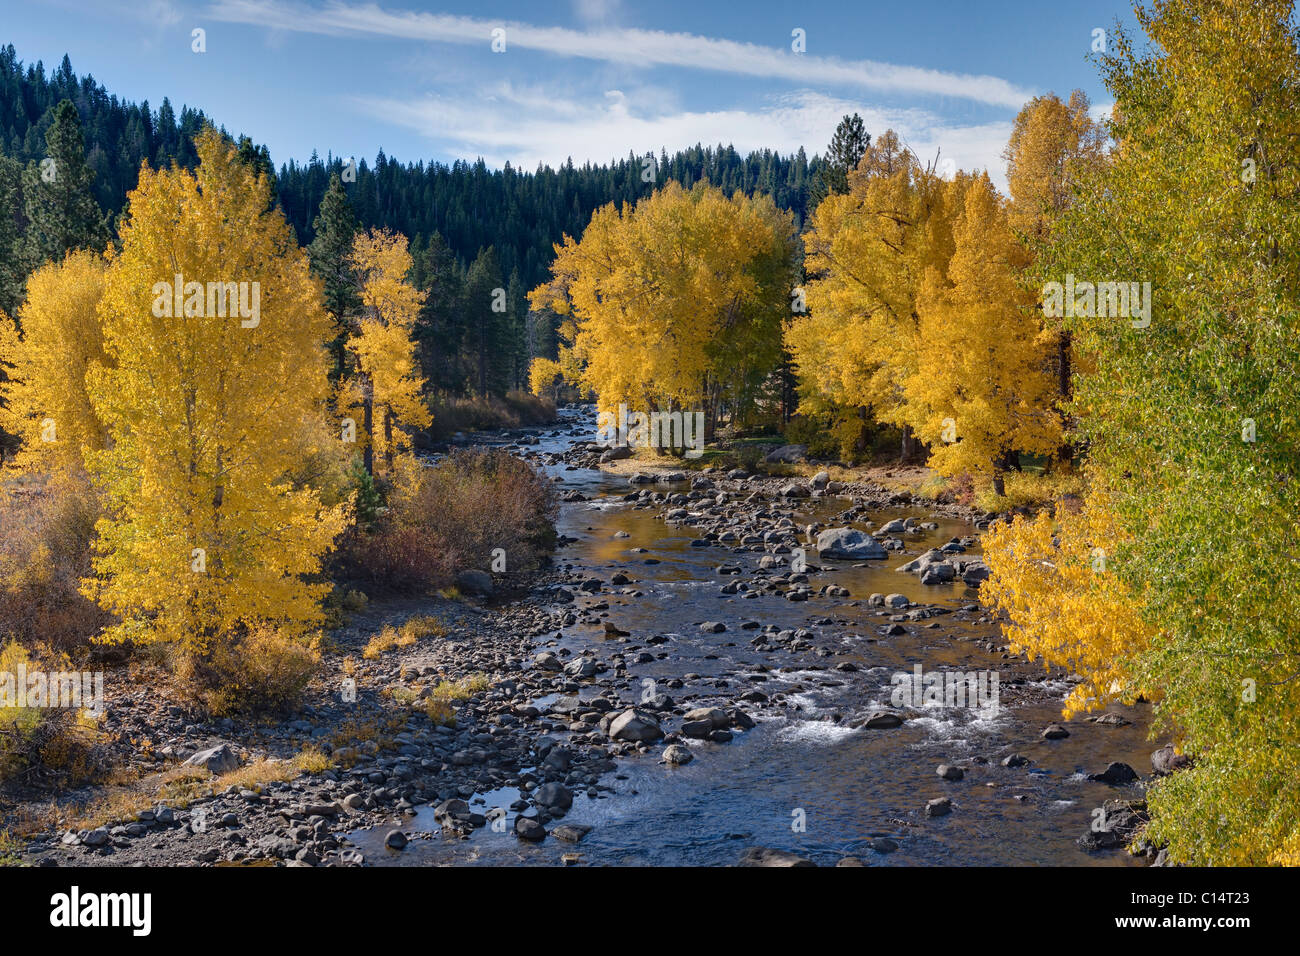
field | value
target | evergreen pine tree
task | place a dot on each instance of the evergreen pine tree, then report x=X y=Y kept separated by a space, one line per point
x=58 y=194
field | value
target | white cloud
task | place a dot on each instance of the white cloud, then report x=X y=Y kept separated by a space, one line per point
x=528 y=127
x=625 y=47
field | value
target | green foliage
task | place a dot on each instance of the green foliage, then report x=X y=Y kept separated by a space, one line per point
x=1199 y=200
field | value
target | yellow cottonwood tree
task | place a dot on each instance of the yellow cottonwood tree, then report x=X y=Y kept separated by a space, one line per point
x=543 y=375
x=1055 y=147
x=979 y=392
x=676 y=302
x=383 y=345
x=45 y=400
x=213 y=331
x=1064 y=603
x=867 y=256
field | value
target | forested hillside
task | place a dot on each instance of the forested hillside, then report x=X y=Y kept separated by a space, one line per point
x=518 y=213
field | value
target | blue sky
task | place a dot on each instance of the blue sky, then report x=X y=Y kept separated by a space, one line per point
x=591 y=79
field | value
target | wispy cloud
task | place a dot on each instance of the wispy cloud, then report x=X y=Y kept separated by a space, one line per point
x=531 y=126
x=625 y=47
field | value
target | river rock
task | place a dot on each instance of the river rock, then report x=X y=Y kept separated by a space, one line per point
x=939 y=807
x=880 y=720
x=940 y=572
x=1055 y=732
x=1116 y=773
x=554 y=796
x=763 y=856
x=949 y=772
x=216 y=759
x=635 y=725
x=570 y=832
x=676 y=755
x=615 y=454
x=1165 y=761
x=474 y=581
x=526 y=828
x=849 y=544
x=396 y=840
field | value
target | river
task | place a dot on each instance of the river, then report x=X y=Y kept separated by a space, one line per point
x=802 y=780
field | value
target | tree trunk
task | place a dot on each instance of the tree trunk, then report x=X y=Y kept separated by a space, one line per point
x=368 y=405
x=1064 y=454
x=388 y=441
x=909 y=443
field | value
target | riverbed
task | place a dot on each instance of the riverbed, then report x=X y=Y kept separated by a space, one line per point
x=802 y=780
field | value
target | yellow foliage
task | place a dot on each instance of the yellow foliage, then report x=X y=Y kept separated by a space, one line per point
x=48 y=404
x=1065 y=604
x=206 y=533
x=676 y=302
x=979 y=391
x=868 y=254
x=383 y=347
x=543 y=375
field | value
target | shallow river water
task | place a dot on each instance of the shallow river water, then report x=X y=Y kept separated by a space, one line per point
x=845 y=786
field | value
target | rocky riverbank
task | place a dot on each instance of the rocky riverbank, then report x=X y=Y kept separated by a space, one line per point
x=544 y=724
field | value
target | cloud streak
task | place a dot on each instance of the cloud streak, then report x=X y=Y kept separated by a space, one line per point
x=528 y=127
x=624 y=47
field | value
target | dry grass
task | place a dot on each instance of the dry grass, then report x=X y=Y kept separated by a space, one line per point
x=179 y=787
x=407 y=635
x=265 y=671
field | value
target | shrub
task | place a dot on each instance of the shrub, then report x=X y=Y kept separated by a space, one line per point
x=454 y=516
x=264 y=671
x=453 y=414
x=42 y=744
x=44 y=554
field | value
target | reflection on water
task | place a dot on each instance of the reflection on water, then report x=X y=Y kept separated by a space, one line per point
x=805 y=765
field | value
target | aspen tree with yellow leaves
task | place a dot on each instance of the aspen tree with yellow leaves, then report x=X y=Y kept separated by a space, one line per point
x=676 y=302
x=867 y=256
x=1190 y=423
x=45 y=400
x=389 y=379
x=979 y=393
x=1054 y=146
x=214 y=372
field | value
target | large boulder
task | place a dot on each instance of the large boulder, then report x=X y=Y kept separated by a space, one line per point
x=850 y=544
x=635 y=725
x=216 y=759
x=474 y=581
x=616 y=454
x=789 y=454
